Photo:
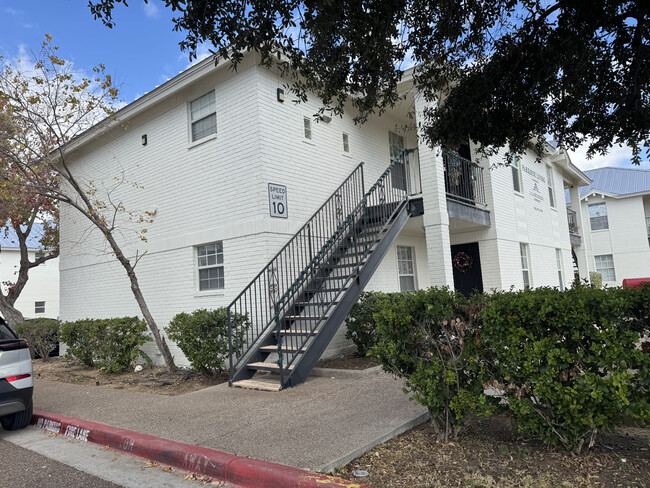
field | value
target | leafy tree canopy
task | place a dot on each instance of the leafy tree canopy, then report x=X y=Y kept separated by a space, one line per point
x=509 y=71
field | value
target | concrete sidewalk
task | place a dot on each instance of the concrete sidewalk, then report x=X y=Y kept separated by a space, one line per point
x=319 y=425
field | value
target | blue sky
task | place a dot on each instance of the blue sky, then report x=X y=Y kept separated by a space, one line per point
x=140 y=52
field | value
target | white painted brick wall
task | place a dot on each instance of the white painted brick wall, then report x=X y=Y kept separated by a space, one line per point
x=626 y=239
x=42 y=285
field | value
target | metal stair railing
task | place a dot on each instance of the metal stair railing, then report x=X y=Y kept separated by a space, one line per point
x=253 y=311
x=353 y=241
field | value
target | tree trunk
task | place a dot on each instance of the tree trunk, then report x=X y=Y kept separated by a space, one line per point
x=11 y=314
x=139 y=298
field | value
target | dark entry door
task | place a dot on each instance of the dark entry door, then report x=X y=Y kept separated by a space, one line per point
x=466 y=262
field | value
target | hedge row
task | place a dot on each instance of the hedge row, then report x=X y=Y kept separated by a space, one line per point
x=568 y=363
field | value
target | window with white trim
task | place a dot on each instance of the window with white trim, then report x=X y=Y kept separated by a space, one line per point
x=525 y=264
x=346 y=143
x=406 y=268
x=515 y=165
x=396 y=148
x=39 y=307
x=598 y=216
x=210 y=266
x=306 y=127
x=605 y=266
x=558 y=262
x=203 y=116
x=551 y=189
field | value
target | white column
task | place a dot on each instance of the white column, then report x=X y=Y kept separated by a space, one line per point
x=436 y=218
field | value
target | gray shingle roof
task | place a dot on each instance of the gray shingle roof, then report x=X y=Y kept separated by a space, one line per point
x=617 y=181
x=8 y=239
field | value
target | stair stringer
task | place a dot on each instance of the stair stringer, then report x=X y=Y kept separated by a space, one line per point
x=329 y=327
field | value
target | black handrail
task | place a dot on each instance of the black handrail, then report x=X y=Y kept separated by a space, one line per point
x=463 y=179
x=336 y=263
x=258 y=300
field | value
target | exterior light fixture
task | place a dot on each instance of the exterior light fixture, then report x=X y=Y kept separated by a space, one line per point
x=144 y=139
x=280 y=95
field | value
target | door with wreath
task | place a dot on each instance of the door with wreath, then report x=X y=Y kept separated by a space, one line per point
x=466 y=263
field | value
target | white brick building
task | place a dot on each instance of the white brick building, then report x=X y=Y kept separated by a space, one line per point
x=616 y=216
x=40 y=297
x=215 y=141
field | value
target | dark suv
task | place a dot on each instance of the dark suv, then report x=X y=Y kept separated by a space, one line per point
x=16 y=381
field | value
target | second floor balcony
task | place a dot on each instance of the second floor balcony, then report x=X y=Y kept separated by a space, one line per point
x=574 y=230
x=465 y=189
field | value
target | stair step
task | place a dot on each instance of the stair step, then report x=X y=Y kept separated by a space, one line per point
x=272 y=349
x=267 y=367
x=257 y=385
x=306 y=317
x=299 y=331
x=315 y=304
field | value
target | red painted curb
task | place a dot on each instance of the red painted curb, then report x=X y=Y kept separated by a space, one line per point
x=239 y=471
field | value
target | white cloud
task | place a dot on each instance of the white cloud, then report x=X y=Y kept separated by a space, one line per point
x=619 y=156
x=151 y=11
x=202 y=52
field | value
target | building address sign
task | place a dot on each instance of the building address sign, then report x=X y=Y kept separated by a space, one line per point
x=278 y=201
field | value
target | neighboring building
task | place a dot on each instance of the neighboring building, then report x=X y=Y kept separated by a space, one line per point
x=616 y=215
x=232 y=171
x=40 y=297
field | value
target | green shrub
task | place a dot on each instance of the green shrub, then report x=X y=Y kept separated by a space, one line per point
x=110 y=344
x=429 y=337
x=361 y=323
x=41 y=335
x=567 y=361
x=203 y=337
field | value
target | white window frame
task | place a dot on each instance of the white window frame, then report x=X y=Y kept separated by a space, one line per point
x=218 y=263
x=346 y=143
x=551 y=187
x=560 y=267
x=515 y=166
x=413 y=274
x=591 y=217
x=206 y=115
x=524 y=254
x=307 y=131
x=605 y=270
x=39 y=308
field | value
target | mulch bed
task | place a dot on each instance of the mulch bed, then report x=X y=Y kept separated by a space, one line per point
x=490 y=453
x=150 y=380
x=348 y=361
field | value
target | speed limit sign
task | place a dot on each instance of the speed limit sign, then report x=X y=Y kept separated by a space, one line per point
x=278 y=201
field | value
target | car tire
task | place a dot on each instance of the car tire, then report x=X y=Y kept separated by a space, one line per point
x=17 y=420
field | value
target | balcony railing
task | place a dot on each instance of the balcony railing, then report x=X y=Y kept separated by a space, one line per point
x=573 y=221
x=647 y=224
x=463 y=179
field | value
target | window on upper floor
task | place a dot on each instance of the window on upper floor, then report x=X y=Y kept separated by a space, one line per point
x=525 y=264
x=39 y=307
x=551 y=189
x=210 y=266
x=396 y=150
x=598 y=216
x=515 y=166
x=346 y=143
x=306 y=127
x=203 y=116
x=406 y=268
x=605 y=266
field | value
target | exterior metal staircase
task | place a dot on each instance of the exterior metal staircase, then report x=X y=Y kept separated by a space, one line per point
x=285 y=318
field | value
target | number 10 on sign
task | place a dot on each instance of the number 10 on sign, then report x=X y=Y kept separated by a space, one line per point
x=278 y=201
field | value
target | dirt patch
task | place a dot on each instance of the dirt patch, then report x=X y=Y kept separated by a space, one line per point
x=490 y=453
x=350 y=361
x=150 y=380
